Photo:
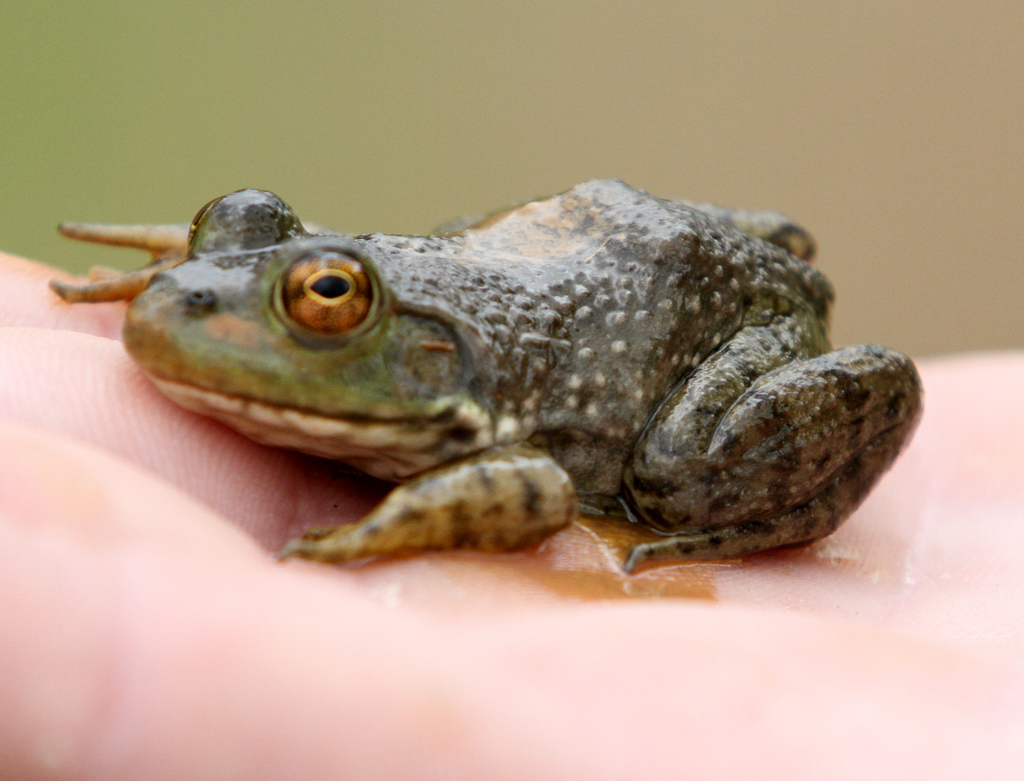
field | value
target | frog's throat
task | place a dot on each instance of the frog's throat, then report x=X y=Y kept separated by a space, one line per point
x=389 y=450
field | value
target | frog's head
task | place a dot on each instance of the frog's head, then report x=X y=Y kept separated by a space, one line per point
x=296 y=340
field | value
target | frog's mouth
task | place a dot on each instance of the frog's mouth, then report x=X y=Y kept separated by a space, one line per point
x=392 y=450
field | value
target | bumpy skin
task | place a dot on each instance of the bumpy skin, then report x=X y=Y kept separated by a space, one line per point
x=668 y=360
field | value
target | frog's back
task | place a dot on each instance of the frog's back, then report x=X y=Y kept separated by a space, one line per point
x=585 y=309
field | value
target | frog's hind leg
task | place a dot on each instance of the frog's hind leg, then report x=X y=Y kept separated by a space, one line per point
x=773 y=227
x=818 y=518
x=746 y=457
x=168 y=244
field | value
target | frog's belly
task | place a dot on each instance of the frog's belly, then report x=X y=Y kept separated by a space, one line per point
x=392 y=451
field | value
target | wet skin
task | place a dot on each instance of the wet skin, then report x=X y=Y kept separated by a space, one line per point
x=665 y=361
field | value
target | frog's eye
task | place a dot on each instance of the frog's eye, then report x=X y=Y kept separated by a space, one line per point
x=242 y=221
x=327 y=292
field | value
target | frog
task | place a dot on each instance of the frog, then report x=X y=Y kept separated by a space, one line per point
x=662 y=361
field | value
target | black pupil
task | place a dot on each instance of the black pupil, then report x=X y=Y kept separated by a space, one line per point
x=330 y=286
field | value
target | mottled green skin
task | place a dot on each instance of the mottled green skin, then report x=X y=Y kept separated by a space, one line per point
x=666 y=361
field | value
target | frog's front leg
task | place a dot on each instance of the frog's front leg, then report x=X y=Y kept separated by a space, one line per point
x=759 y=450
x=504 y=499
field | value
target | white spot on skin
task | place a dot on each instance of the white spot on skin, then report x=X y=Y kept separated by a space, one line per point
x=584 y=312
x=619 y=347
x=615 y=319
x=572 y=402
x=600 y=380
x=666 y=305
x=506 y=429
x=585 y=354
x=575 y=382
x=734 y=284
x=693 y=305
x=716 y=300
x=716 y=340
x=719 y=272
x=641 y=315
x=591 y=410
x=638 y=394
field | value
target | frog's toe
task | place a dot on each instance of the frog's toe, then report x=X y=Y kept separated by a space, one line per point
x=301 y=548
x=328 y=544
x=293 y=549
x=638 y=554
x=161 y=241
x=332 y=544
x=729 y=543
x=168 y=244
x=317 y=532
x=707 y=546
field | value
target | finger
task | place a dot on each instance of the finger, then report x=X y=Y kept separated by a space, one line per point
x=88 y=388
x=26 y=300
x=144 y=639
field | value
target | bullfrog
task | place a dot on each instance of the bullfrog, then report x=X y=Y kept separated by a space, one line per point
x=603 y=350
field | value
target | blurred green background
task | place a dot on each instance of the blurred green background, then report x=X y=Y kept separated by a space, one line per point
x=893 y=130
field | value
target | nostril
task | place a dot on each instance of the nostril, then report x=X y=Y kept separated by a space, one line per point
x=200 y=301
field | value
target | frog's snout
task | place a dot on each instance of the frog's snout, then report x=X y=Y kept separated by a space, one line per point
x=166 y=296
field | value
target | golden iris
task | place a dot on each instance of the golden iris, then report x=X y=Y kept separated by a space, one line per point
x=327 y=292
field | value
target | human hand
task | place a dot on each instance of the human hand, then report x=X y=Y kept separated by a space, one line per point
x=148 y=633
